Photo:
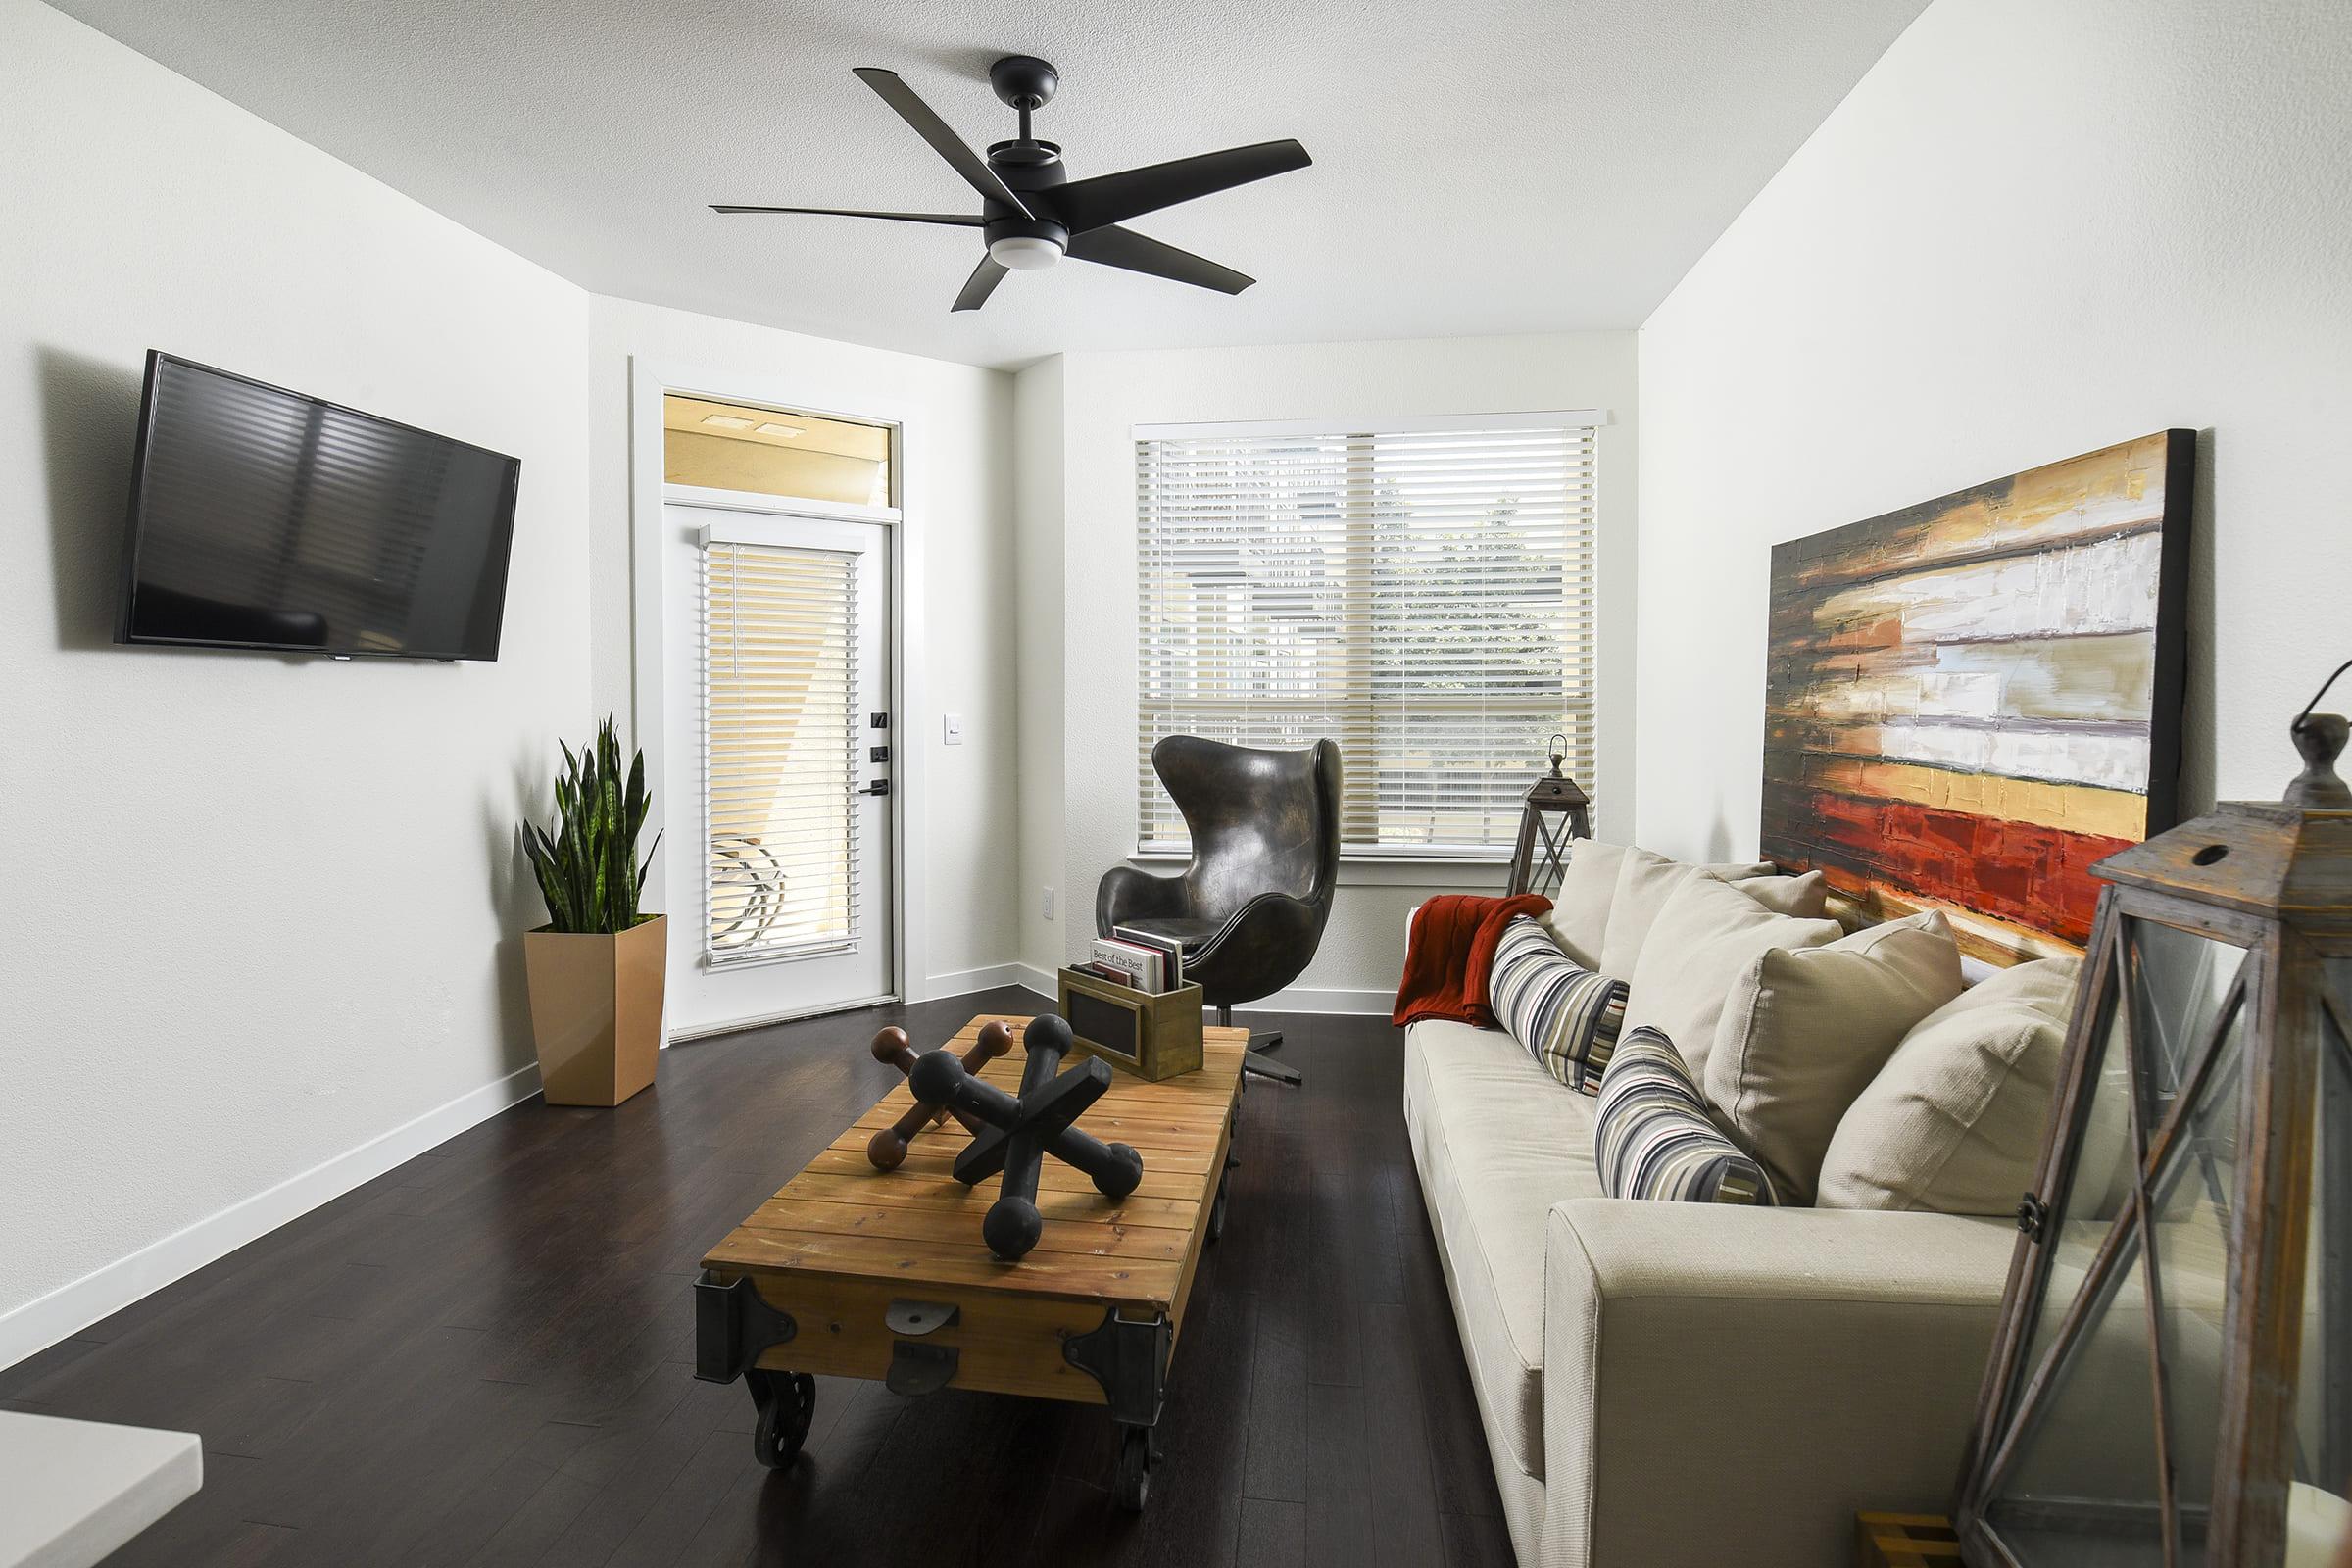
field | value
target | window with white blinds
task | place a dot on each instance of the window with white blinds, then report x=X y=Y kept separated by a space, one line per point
x=779 y=749
x=1425 y=597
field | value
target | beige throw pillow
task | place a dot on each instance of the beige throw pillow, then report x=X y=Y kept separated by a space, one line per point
x=1954 y=1122
x=1579 y=906
x=1704 y=937
x=1806 y=897
x=1738 y=870
x=1643 y=884
x=1804 y=1032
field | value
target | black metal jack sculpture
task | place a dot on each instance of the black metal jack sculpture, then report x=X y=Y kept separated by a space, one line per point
x=1019 y=1133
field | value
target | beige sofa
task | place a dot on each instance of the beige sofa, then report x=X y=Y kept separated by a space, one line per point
x=1677 y=1385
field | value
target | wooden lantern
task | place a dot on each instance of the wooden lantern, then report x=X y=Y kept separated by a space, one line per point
x=1554 y=813
x=2171 y=1383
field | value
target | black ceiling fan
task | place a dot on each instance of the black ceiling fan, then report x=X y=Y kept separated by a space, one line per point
x=1031 y=215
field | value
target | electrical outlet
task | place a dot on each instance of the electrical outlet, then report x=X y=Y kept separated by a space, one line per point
x=950 y=729
x=1048 y=904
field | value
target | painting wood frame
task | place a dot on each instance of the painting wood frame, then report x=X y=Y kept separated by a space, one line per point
x=1971 y=701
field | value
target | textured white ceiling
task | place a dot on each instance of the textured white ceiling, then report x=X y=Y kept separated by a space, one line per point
x=1510 y=167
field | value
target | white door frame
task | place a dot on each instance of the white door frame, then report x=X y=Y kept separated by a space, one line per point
x=910 y=687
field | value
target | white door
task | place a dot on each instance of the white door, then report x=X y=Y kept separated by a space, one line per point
x=779 y=822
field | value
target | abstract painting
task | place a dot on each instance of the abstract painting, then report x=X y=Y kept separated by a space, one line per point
x=1970 y=702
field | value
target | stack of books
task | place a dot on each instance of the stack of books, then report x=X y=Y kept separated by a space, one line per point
x=1138 y=960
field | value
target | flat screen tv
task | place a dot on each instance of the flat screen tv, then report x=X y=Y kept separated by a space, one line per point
x=264 y=519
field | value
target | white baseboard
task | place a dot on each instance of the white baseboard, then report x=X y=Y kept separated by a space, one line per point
x=1352 y=1001
x=963 y=982
x=1356 y=1002
x=73 y=1306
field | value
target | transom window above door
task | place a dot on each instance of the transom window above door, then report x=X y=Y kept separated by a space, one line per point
x=775 y=452
x=1424 y=596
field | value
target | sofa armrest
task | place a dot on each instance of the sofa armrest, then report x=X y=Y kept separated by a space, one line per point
x=1715 y=1374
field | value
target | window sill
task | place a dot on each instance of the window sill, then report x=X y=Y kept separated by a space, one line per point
x=1457 y=872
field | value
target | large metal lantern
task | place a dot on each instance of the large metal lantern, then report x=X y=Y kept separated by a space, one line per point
x=2171 y=1383
x=1554 y=815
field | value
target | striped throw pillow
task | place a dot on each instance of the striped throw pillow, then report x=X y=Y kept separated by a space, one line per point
x=1564 y=1015
x=1652 y=1138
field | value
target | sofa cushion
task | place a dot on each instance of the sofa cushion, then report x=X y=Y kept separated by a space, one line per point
x=1644 y=883
x=1954 y=1122
x=1738 y=870
x=1653 y=1137
x=1805 y=1030
x=1561 y=1012
x=1495 y=1146
x=1705 y=936
x=1806 y=897
x=1579 y=920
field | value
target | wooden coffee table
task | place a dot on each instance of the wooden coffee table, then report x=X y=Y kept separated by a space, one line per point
x=861 y=1273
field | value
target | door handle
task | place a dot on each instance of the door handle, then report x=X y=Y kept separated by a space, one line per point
x=880 y=786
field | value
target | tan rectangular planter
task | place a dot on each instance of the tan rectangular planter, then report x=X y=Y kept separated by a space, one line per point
x=596 y=1010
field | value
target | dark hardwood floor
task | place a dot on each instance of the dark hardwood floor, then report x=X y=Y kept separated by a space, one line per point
x=484 y=1356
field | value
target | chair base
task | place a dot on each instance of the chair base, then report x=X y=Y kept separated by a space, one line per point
x=1282 y=1072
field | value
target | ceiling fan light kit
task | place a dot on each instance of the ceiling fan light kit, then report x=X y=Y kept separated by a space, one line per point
x=1027 y=253
x=1032 y=213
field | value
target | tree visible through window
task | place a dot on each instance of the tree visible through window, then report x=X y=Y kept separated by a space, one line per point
x=1424 y=598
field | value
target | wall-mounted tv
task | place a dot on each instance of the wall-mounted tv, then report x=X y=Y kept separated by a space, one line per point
x=264 y=519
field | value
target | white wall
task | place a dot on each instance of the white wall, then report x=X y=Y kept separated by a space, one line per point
x=262 y=914
x=1037 y=410
x=963 y=632
x=1102 y=398
x=2031 y=231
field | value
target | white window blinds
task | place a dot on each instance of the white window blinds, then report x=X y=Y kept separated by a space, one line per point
x=1424 y=598
x=779 y=747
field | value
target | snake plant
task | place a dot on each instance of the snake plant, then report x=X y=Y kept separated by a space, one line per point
x=585 y=865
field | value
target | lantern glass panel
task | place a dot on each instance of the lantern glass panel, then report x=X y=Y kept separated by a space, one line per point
x=2082 y=1488
x=2179 y=982
x=2194 y=1198
x=2106 y=1162
x=2323 y=1375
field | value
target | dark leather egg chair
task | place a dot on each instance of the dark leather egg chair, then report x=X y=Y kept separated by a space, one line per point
x=1249 y=909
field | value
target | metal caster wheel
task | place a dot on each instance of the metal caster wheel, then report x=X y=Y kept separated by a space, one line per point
x=1216 y=1213
x=786 y=1401
x=1131 y=1482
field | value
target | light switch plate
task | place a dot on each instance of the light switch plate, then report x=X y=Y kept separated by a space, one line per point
x=951 y=728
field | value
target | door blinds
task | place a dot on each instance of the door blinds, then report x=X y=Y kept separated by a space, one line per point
x=779 y=747
x=1425 y=598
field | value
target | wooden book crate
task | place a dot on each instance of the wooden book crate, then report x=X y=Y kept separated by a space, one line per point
x=1153 y=1037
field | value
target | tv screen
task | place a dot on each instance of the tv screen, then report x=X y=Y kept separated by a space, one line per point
x=264 y=519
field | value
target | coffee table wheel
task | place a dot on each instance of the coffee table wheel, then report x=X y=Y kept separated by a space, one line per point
x=1216 y=1212
x=1131 y=1480
x=786 y=1401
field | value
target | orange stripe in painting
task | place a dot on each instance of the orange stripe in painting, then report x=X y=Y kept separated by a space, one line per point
x=2036 y=876
x=2069 y=807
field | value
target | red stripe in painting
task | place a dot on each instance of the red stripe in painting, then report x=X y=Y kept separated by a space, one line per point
x=2035 y=876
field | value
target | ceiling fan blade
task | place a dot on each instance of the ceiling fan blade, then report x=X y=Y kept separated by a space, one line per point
x=958 y=219
x=1114 y=246
x=944 y=141
x=1115 y=198
x=981 y=284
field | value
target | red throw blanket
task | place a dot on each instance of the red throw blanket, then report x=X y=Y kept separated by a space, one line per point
x=1451 y=949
